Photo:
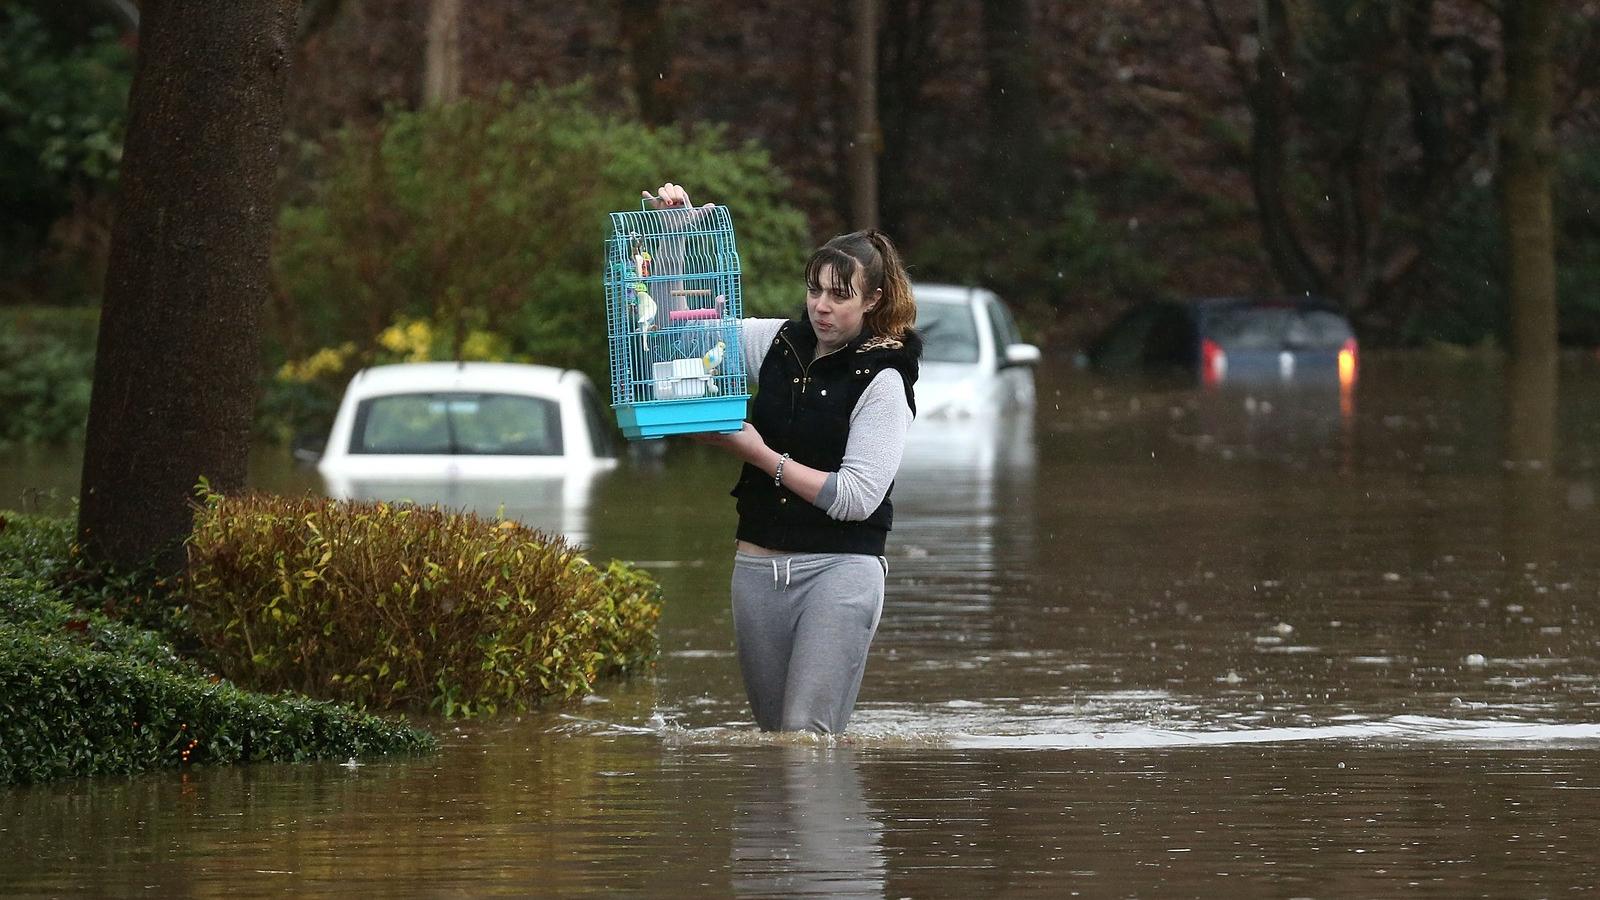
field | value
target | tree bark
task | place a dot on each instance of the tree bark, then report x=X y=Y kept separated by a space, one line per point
x=441 y=82
x=177 y=365
x=864 y=146
x=1527 y=160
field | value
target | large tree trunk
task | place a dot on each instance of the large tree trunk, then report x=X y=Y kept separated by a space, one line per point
x=177 y=366
x=864 y=146
x=1527 y=150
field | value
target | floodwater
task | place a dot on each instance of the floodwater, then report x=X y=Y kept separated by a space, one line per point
x=1152 y=641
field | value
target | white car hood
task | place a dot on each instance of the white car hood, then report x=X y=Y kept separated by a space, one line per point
x=950 y=390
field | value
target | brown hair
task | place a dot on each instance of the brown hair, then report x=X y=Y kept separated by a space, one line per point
x=880 y=265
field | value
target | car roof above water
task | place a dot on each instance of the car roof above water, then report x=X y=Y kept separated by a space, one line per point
x=517 y=378
x=946 y=293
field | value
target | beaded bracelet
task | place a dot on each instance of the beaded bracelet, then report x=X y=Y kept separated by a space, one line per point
x=777 y=477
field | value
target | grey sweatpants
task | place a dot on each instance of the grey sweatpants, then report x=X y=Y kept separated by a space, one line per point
x=803 y=623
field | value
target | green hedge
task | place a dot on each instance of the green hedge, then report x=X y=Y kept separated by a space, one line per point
x=66 y=709
x=85 y=694
x=398 y=605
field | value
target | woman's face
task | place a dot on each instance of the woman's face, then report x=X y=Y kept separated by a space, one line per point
x=836 y=310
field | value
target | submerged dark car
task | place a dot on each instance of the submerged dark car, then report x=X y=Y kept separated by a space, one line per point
x=1227 y=340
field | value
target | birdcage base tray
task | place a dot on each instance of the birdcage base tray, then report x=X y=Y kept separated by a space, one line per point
x=647 y=421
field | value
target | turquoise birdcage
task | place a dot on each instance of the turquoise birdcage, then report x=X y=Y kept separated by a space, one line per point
x=673 y=304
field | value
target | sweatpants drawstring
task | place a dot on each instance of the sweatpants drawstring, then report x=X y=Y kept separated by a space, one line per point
x=787 y=560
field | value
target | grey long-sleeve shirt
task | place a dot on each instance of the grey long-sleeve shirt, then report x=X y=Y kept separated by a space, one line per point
x=877 y=439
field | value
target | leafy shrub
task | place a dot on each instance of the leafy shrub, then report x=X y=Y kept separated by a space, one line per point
x=82 y=693
x=46 y=368
x=398 y=605
x=32 y=606
x=68 y=710
x=43 y=549
x=34 y=547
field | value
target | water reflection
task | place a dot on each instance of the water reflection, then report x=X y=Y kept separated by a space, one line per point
x=963 y=533
x=808 y=829
x=557 y=504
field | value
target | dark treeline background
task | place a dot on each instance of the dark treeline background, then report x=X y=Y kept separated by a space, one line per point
x=1075 y=156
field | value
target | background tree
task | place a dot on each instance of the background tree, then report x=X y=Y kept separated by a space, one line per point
x=176 y=369
x=1527 y=163
x=866 y=138
x=1367 y=119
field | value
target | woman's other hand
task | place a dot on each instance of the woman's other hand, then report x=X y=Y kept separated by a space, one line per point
x=746 y=443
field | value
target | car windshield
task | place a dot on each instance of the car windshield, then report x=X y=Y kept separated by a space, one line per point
x=458 y=424
x=949 y=332
x=1276 y=327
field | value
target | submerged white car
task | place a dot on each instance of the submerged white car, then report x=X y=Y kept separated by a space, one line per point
x=973 y=360
x=429 y=421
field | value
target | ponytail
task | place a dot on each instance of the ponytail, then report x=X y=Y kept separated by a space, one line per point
x=896 y=311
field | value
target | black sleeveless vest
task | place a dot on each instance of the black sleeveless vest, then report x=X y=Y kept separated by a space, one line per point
x=802 y=407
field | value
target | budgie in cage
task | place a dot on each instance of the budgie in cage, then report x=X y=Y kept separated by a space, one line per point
x=713 y=357
x=712 y=361
x=647 y=307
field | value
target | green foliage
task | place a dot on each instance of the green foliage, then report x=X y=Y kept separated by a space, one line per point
x=61 y=124
x=32 y=606
x=398 y=605
x=46 y=368
x=82 y=693
x=67 y=710
x=491 y=214
x=34 y=547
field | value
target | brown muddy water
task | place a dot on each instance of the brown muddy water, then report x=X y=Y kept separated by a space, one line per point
x=1152 y=641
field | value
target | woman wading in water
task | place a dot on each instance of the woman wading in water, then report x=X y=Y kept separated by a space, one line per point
x=821 y=448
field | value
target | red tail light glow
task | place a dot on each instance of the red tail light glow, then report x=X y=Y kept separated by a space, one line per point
x=1348 y=361
x=1214 y=363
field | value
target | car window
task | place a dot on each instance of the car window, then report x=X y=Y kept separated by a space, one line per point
x=1275 y=327
x=949 y=332
x=1320 y=329
x=458 y=424
x=1002 y=329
